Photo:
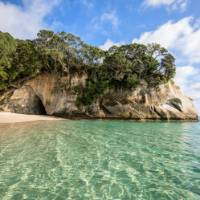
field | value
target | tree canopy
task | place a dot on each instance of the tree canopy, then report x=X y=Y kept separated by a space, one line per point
x=63 y=53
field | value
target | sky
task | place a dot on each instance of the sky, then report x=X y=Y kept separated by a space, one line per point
x=175 y=24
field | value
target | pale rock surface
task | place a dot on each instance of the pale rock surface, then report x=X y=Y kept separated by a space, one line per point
x=53 y=95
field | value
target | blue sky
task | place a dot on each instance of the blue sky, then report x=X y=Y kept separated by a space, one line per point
x=173 y=23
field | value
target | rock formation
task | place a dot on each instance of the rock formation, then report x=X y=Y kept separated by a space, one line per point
x=53 y=95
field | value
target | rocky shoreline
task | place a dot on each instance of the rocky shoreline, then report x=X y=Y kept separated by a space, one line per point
x=48 y=94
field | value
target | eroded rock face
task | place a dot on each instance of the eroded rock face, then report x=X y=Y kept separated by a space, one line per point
x=24 y=100
x=54 y=95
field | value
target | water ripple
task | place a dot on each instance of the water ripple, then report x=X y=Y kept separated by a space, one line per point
x=97 y=160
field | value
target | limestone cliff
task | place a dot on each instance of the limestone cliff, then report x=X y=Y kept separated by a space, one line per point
x=53 y=95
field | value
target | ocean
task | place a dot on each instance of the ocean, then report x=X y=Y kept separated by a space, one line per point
x=100 y=160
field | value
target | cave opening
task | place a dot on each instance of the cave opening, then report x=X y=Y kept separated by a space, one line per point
x=40 y=107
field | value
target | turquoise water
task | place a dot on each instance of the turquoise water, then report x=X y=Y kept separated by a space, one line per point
x=97 y=160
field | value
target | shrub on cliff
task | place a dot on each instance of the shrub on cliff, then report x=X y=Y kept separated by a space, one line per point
x=63 y=53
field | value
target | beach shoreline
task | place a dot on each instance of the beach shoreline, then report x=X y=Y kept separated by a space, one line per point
x=8 y=117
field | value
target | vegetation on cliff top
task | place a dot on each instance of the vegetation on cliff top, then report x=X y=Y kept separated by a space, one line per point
x=63 y=53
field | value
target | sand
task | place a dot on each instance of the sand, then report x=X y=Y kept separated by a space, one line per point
x=7 y=117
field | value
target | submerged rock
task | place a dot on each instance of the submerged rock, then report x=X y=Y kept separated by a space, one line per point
x=52 y=95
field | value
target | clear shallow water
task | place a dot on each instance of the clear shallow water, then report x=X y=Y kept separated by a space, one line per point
x=91 y=160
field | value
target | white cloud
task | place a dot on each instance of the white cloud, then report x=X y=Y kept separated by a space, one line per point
x=196 y=86
x=108 y=18
x=171 y=4
x=184 y=74
x=188 y=78
x=182 y=38
x=25 y=21
x=87 y=3
x=109 y=43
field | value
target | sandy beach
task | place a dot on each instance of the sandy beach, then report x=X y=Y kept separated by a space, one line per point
x=7 y=117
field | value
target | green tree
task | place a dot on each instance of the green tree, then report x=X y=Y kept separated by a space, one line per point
x=25 y=61
x=65 y=54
